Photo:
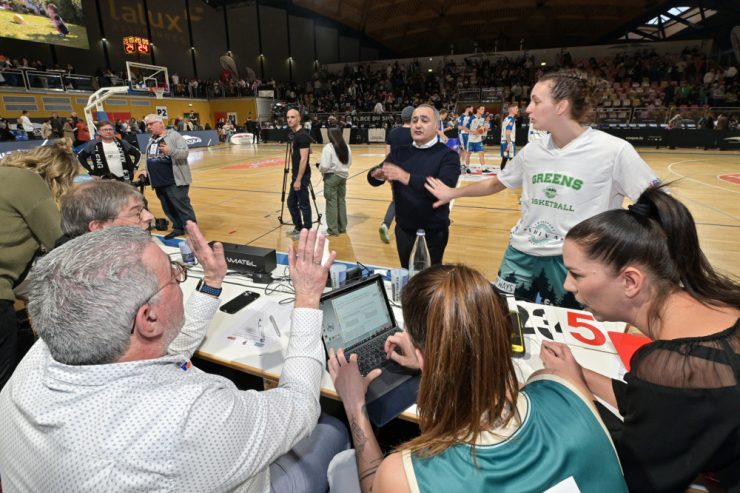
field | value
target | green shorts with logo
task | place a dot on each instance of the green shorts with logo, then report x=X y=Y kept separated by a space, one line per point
x=534 y=279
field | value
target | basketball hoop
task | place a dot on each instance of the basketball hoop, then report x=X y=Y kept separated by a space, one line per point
x=158 y=92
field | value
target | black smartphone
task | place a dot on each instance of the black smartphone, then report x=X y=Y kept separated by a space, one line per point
x=236 y=304
x=515 y=326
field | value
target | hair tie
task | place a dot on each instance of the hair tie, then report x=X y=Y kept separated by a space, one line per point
x=642 y=209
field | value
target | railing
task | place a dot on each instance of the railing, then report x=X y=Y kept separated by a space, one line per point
x=28 y=79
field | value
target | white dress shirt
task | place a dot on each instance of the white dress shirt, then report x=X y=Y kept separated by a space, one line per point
x=155 y=425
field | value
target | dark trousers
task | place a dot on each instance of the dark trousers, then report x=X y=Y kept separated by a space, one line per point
x=8 y=340
x=299 y=205
x=176 y=205
x=390 y=213
x=436 y=243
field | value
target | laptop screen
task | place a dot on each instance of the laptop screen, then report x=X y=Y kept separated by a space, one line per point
x=355 y=314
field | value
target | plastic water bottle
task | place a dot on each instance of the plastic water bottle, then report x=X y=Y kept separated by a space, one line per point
x=188 y=257
x=420 y=258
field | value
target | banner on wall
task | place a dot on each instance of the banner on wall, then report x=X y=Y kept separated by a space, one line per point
x=195 y=138
x=376 y=135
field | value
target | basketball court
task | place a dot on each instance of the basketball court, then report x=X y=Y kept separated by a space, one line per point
x=236 y=193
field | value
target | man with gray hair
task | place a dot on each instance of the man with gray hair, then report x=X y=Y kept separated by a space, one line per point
x=407 y=168
x=169 y=173
x=107 y=400
x=103 y=204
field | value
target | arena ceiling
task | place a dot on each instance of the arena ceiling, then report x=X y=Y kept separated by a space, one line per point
x=409 y=28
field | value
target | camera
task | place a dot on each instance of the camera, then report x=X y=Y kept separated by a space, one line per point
x=141 y=182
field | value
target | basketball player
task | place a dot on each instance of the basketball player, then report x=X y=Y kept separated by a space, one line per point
x=475 y=138
x=508 y=135
x=463 y=129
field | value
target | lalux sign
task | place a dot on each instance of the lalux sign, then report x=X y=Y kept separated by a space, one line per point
x=174 y=21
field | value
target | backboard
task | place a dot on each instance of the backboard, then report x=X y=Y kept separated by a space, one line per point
x=142 y=77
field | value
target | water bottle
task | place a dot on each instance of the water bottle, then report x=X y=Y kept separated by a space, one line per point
x=420 y=258
x=188 y=257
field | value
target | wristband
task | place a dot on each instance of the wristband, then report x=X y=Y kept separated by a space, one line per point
x=205 y=288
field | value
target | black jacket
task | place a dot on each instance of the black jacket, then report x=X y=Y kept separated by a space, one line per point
x=130 y=157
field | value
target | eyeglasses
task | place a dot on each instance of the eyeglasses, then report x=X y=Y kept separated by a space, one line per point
x=179 y=274
x=105 y=129
x=135 y=214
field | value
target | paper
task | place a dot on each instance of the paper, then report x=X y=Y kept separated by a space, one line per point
x=255 y=327
x=566 y=486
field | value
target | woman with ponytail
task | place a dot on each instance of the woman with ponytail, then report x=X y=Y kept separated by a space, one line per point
x=336 y=159
x=567 y=176
x=681 y=399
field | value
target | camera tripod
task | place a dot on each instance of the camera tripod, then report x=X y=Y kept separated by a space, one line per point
x=287 y=182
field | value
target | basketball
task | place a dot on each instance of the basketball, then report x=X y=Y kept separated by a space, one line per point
x=481 y=130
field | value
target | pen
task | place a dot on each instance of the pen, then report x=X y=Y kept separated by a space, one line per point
x=274 y=325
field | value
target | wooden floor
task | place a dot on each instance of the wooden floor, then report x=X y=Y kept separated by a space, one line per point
x=236 y=194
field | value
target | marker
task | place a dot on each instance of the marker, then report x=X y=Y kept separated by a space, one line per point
x=274 y=325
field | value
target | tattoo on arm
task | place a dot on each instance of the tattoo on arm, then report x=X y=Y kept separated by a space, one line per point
x=369 y=473
x=365 y=448
x=358 y=436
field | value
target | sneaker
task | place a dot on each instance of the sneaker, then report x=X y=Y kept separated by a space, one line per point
x=384 y=236
x=174 y=233
x=295 y=233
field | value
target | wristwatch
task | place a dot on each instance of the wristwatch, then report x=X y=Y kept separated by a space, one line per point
x=205 y=288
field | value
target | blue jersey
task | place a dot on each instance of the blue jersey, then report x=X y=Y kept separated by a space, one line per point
x=509 y=124
x=464 y=121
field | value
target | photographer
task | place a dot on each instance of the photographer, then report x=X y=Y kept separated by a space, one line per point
x=300 y=148
x=111 y=157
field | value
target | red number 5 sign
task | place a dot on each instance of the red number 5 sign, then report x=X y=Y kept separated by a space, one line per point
x=580 y=329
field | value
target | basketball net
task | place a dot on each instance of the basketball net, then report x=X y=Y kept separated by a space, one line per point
x=158 y=92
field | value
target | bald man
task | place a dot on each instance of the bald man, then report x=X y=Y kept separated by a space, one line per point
x=300 y=147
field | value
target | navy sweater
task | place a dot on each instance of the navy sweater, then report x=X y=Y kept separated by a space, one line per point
x=413 y=202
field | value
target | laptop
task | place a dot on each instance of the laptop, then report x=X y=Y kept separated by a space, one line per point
x=358 y=318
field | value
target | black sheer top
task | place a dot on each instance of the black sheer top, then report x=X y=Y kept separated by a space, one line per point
x=681 y=408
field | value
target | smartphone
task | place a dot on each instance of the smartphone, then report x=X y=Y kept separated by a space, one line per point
x=236 y=304
x=515 y=326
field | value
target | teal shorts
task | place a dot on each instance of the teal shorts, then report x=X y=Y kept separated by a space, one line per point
x=535 y=279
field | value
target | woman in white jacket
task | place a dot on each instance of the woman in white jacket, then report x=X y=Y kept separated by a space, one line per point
x=335 y=161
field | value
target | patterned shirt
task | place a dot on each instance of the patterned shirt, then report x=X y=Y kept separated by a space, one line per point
x=155 y=425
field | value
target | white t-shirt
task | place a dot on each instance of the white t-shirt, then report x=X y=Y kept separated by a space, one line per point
x=113 y=158
x=476 y=123
x=26 y=123
x=562 y=187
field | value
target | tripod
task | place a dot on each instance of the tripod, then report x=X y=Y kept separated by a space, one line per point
x=287 y=183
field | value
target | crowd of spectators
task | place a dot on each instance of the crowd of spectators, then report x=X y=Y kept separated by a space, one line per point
x=645 y=79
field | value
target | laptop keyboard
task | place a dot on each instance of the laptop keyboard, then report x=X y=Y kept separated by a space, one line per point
x=371 y=354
